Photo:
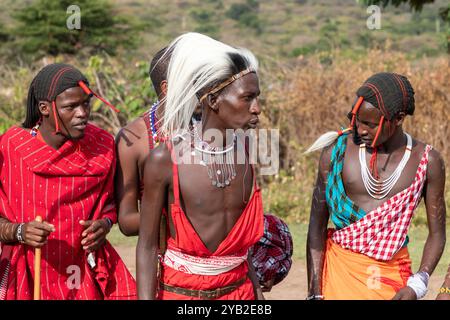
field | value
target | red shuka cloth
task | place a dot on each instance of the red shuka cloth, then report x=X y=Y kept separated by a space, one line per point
x=63 y=186
x=247 y=230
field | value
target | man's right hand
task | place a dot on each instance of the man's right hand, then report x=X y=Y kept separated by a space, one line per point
x=35 y=233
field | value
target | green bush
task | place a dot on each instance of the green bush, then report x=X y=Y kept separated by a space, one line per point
x=303 y=51
x=246 y=14
x=41 y=28
x=206 y=21
x=4 y=36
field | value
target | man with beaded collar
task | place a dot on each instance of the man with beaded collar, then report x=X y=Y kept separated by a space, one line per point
x=271 y=255
x=133 y=143
x=371 y=203
x=213 y=206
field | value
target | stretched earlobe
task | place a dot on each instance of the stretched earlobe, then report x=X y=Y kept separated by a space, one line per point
x=212 y=102
x=44 y=108
x=214 y=107
x=400 y=118
x=163 y=87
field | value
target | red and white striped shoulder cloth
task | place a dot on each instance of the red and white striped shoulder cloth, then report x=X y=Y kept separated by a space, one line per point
x=381 y=233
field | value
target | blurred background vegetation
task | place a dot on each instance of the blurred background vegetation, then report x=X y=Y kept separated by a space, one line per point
x=313 y=56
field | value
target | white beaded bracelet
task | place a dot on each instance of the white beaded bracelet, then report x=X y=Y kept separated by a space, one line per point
x=19 y=236
x=419 y=283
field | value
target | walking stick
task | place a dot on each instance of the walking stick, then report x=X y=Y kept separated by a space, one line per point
x=37 y=269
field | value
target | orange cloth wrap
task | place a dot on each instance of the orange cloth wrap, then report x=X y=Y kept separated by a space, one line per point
x=348 y=275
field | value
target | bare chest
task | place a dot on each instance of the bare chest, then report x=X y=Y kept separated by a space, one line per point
x=386 y=165
x=213 y=211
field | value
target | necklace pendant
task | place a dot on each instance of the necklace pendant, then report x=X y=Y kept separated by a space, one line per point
x=220 y=168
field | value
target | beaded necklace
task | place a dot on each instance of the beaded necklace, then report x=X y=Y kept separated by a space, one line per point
x=379 y=189
x=153 y=123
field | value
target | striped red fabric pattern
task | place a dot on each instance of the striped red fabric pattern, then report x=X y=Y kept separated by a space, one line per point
x=63 y=186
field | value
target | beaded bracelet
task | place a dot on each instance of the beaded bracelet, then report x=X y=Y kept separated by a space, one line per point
x=19 y=235
x=110 y=223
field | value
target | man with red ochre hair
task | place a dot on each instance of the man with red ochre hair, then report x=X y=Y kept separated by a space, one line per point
x=369 y=183
x=60 y=167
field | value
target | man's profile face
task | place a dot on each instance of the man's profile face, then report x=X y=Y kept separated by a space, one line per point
x=238 y=105
x=367 y=122
x=74 y=108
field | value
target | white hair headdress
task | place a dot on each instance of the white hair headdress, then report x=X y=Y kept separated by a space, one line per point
x=197 y=62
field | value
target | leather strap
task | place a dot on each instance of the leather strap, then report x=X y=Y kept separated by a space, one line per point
x=204 y=294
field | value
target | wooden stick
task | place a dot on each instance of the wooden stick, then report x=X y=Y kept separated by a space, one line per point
x=37 y=269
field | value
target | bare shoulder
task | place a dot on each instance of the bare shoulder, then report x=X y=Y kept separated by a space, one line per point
x=158 y=164
x=418 y=146
x=133 y=133
x=434 y=157
x=325 y=158
x=436 y=164
x=159 y=155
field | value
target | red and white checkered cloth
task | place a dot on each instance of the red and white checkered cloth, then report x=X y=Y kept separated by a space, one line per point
x=381 y=233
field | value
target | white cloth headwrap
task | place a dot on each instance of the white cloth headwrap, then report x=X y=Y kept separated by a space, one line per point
x=210 y=266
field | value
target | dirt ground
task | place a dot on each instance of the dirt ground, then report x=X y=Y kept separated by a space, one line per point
x=293 y=287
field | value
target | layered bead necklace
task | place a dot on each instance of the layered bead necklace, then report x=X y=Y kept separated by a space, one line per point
x=379 y=189
x=153 y=121
x=218 y=160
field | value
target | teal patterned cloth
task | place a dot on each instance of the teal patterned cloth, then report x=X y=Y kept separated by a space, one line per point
x=343 y=210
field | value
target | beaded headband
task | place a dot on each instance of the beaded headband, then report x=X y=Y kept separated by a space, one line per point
x=228 y=82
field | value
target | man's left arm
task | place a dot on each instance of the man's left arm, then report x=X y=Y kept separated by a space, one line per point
x=436 y=212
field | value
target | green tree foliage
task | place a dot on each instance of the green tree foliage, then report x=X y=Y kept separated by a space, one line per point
x=4 y=38
x=444 y=12
x=417 y=5
x=246 y=14
x=414 y=4
x=3 y=34
x=330 y=39
x=206 y=21
x=218 y=4
x=41 y=28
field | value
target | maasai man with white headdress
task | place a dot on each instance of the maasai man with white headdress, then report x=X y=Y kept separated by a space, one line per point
x=370 y=181
x=271 y=256
x=212 y=202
